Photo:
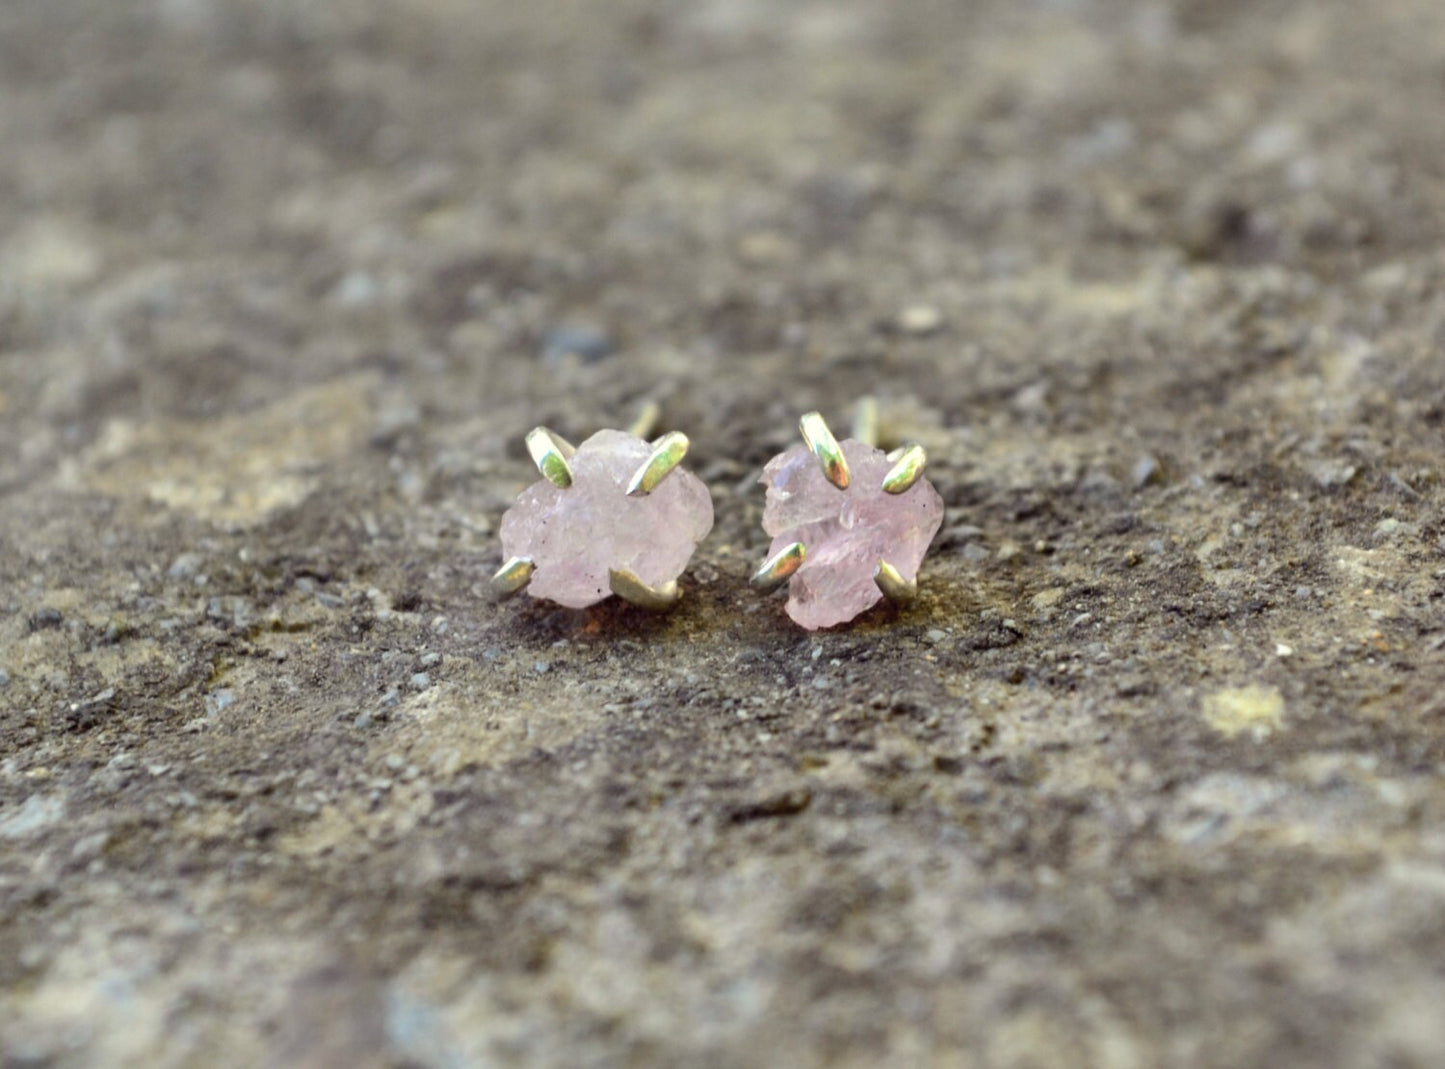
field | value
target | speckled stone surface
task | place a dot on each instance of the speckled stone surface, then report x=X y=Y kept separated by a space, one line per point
x=1152 y=773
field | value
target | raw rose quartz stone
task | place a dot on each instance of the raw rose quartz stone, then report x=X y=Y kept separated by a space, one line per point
x=574 y=536
x=846 y=531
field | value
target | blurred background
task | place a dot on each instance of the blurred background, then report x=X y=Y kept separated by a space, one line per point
x=1150 y=775
x=572 y=203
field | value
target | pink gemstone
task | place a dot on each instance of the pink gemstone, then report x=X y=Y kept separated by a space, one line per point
x=847 y=532
x=575 y=536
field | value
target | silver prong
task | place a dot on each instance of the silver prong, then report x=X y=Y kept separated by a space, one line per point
x=550 y=452
x=646 y=420
x=513 y=576
x=667 y=453
x=895 y=588
x=865 y=421
x=627 y=586
x=825 y=447
x=907 y=469
x=777 y=568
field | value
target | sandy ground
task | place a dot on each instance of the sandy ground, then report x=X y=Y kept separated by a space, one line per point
x=1152 y=774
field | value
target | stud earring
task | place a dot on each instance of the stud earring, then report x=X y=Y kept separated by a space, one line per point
x=850 y=525
x=615 y=515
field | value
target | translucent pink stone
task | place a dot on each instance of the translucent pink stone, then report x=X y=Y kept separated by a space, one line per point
x=575 y=536
x=846 y=532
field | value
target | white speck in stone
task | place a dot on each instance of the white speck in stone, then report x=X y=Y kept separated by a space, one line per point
x=920 y=319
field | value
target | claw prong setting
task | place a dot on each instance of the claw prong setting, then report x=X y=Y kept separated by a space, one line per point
x=551 y=453
x=865 y=421
x=630 y=588
x=908 y=465
x=667 y=453
x=826 y=448
x=513 y=576
x=778 y=568
x=895 y=588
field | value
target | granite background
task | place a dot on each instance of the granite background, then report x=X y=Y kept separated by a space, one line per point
x=1150 y=775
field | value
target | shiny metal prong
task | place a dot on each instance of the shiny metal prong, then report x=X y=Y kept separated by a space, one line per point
x=895 y=588
x=645 y=420
x=627 y=586
x=865 y=421
x=513 y=576
x=550 y=452
x=907 y=469
x=667 y=453
x=825 y=447
x=777 y=568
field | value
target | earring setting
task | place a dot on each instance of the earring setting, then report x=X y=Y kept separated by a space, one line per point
x=619 y=515
x=615 y=515
x=850 y=525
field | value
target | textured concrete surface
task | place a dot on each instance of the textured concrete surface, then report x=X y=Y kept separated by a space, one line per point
x=1152 y=773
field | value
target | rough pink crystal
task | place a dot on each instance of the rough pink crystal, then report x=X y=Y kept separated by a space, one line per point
x=575 y=536
x=846 y=531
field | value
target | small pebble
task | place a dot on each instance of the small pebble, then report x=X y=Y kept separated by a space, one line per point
x=90 y=847
x=581 y=340
x=46 y=619
x=920 y=320
x=765 y=247
x=4 y=678
x=935 y=635
x=186 y=565
x=1032 y=398
x=430 y=660
x=421 y=681
x=391 y=698
x=1283 y=650
x=542 y=666
x=1333 y=474
x=1390 y=529
x=1098 y=481
x=96 y=701
x=1146 y=471
x=356 y=290
x=218 y=701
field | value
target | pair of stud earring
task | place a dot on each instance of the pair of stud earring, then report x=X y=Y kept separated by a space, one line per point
x=619 y=515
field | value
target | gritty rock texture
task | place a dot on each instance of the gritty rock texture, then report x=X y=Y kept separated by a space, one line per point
x=1152 y=773
x=846 y=532
x=576 y=536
